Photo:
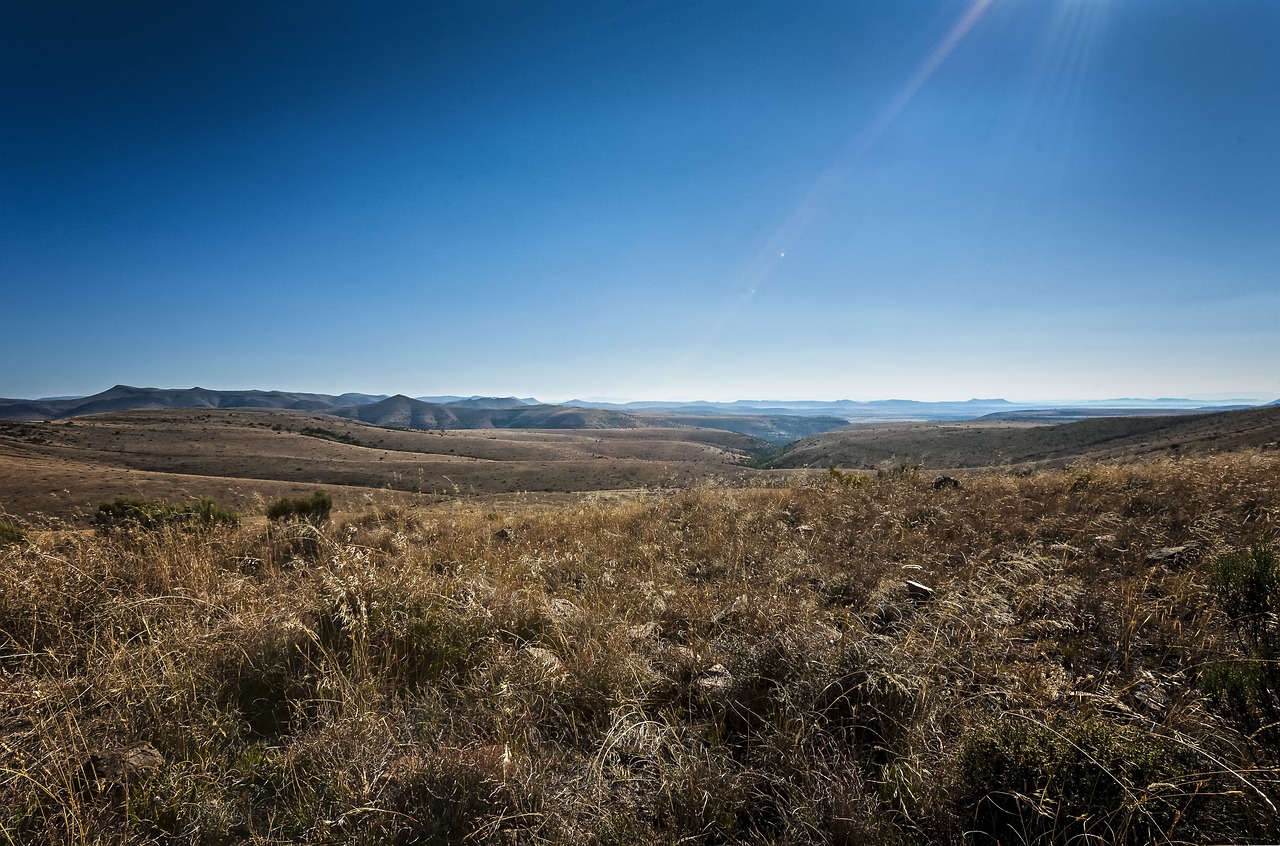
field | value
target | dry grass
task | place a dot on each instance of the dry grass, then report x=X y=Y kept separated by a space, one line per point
x=715 y=665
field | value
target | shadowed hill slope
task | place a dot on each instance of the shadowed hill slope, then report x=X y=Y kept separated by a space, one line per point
x=775 y=428
x=127 y=398
x=993 y=443
x=403 y=412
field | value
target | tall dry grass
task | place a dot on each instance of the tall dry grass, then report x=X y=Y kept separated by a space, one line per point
x=716 y=665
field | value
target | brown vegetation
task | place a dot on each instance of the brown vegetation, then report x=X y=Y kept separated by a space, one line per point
x=241 y=458
x=713 y=665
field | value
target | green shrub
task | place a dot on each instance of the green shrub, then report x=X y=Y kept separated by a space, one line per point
x=149 y=515
x=1089 y=780
x=902 y=470
x=846 y=480
x=11 y=534
x=313 y=509
x=1247 y=588
x=325 y=434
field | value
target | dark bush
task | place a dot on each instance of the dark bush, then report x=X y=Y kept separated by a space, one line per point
x=1087 y=781
x=325 y=434
x=266 y=680
x=142 y=514
x=11 y=534
x=1247 y=689
x=313 y=509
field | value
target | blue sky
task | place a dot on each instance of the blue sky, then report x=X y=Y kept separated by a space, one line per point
x=928 y=199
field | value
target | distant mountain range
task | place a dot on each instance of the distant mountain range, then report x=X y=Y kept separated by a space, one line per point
x=900 y=409
x=126 y=397
x=773 y=420
x=401 y=412
x=404 y=412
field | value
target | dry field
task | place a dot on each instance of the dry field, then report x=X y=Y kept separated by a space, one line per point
x=64 y=469
x=1091 y=659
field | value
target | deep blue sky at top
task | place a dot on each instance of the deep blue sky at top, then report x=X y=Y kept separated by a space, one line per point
x=1081 y=198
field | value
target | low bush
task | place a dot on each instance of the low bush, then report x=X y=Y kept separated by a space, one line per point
x=150 y=515
x=848 y=480
x=325 y=434
x=1088 y=780
x=11 y=534
x=313 y=509
x=1247 y=688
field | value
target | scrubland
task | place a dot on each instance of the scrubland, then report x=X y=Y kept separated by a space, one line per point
x=718 y=664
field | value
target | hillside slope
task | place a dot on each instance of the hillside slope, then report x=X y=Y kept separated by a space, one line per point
x=402 y=412
x=993 y=443
x=775 y=428
x=68 y=467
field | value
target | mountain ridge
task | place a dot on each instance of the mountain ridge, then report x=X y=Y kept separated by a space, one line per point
x=451 y=411
x=405 y=412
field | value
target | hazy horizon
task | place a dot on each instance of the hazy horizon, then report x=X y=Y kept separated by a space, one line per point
x=939 y=200
x=1217 y=398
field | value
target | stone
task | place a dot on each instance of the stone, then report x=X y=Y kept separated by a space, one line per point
x=111 y=770
x=1174 y=555
x=735 y=611
x=716 y=679
x=545 y=659
x=919 y=592
x=644 y=631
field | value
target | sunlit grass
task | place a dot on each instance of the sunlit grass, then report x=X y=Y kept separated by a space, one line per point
x=710 y=665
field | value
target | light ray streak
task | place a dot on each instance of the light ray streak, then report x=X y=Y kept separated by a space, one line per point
x=1053 y=96
x=827 y=184
x=830 y=181
x=766 y=261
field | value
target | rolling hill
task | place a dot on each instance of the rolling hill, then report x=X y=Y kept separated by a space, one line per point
x=403 y=412
x=897 y=410
x=128 y=398
x=67 y=467
x=986 y=443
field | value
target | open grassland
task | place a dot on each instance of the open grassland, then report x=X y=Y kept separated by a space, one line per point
x=64 y=469
x=714 y=665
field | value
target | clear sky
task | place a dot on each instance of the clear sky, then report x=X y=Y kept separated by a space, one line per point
x=719 y=199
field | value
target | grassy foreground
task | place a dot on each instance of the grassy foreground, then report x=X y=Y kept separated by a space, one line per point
x=716 y=665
